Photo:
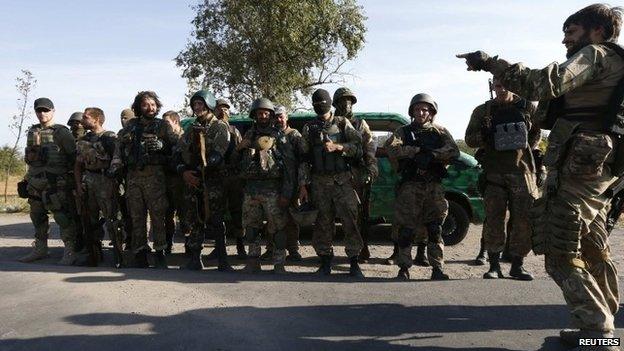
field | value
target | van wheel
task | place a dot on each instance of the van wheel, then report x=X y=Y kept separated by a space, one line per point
x=455 y=226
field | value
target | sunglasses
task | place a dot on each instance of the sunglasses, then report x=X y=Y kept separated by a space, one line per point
x=42 y=109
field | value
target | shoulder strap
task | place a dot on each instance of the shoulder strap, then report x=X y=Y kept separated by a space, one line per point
x=615 y=47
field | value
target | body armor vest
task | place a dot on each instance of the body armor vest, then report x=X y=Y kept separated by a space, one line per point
x=43 y=153
x=201 y=141
x=422 y=167
x=135 y=152
x=96 y=151
x=509 y=127
x=320 y=133
x=263 y=160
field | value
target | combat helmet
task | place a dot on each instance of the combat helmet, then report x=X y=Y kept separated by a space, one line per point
x=304 y=215
x=422 y=98
x=75 y=117
x=263 y=103
x=208 y=97
x=222 y=102
x=343 y=92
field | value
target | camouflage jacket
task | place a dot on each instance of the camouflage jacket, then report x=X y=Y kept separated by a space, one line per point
x=493 y=161
x=94 y=151
x=369 y=149
x=217 y=139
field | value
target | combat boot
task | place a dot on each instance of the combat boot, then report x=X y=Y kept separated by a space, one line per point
x=195 y=262
x=364 y=254
x=421 y=256
x=160 y=260
x=395 y=252
x=241 y=254
x=224 y=265
x=294 y=256
x=325 y=267
x=39 y=251
x=140 y=259
x=212 y=255
x=267 y=255
x=69 y=256
x=517 y=270
x=480 y=260
x=253 y=265
x=403 y=273
x=495 y=268
x=279 y=268
x=354 y=268
x=571 y=337
x=438 y=274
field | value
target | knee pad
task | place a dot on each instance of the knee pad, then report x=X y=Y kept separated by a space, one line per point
x=405 y=238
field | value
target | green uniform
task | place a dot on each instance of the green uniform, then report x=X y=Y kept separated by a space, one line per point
x=420 y=196
x=569 y=219
x=233 y=188
x=510 y=174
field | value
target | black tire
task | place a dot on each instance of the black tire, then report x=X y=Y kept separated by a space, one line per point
x=455 y=226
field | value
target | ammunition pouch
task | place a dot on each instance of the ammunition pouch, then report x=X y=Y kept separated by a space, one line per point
x=556 y=228
x=22 y=189
x=557 y=141
x=588 y=153
x=511 y=136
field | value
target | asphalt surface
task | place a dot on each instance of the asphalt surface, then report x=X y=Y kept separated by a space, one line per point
x=44 y=306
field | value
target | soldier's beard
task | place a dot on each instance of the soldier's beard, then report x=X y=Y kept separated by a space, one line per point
x=581 y=43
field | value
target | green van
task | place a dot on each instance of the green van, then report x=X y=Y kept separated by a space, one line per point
x=465 y=202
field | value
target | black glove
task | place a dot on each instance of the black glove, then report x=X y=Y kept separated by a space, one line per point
x=476 y=61
x=153 y=144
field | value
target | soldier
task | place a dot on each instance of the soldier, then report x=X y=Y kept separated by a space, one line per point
x=422 y=151
x=203 y=147
x=581 y=98
x=75 y=125
x=126 y=115
x=329 y=141
x=233 y=185
x=95 y=189
x=50 y=154
x=505 y=136
x=267 y=164
x=365 y=169
x=175 y=185
x=144 y=146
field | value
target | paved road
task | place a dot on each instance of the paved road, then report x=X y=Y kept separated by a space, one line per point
x=49 y=307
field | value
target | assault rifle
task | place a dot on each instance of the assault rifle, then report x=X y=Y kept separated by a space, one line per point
x=616 y=191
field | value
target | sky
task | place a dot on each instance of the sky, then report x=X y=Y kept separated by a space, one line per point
x=101 y=53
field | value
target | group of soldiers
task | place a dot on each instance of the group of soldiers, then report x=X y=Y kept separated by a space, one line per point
x=270 y=180
x=275 y=174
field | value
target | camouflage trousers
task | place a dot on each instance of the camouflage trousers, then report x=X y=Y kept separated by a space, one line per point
x=44 y=197
x=513 y=192
x=233 y=190
x=570 y=229
x=292 y=235
x=204 y=224
x=260 y=205
x=420 y=205
x=176 y=200
x=335 y=197
x=146 y=192
x=101 y=193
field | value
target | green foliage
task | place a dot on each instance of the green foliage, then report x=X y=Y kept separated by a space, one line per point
x=18 y=166
x=465 y=148
x=243 y=49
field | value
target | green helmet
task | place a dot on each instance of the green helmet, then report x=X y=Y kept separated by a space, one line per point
x=263 y=103
x=343 y=92
x=208 y=97
x=223 y=102
x=75 y=117
x=426 y=98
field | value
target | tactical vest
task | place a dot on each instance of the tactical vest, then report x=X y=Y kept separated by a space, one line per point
x=509 y=128
x=263 y=160
x=201 y=143
x=43 y=152
x=606 y=118
x=324 y=162
x=422 y=167
x=95 y=151
x=136 y=154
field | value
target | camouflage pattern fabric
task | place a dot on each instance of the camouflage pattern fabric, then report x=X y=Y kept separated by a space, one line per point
x=416 y=205
x=260 y=206
x=200 y=227
x=571 y=213
x=101 y=192
x=233 y=192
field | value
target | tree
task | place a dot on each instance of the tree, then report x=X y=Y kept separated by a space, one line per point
x=25 y=85
x=281 y=50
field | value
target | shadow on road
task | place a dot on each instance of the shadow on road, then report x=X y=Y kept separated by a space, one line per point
x=335 y=327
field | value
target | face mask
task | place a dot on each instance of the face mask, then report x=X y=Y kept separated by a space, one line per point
x=321 y=109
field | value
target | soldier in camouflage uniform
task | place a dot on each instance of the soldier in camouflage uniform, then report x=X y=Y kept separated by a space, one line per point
x=95 y=188
x=75 y=125
x=126 y=115
x=365 y=169
x=203 y=147
x=50 y=154
x=233 y=185
x=267 y=164
x=144 y=148
x=175 y=186
x=509 y=171
x=422 y=151
x=582 y=100
x=329 y=141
